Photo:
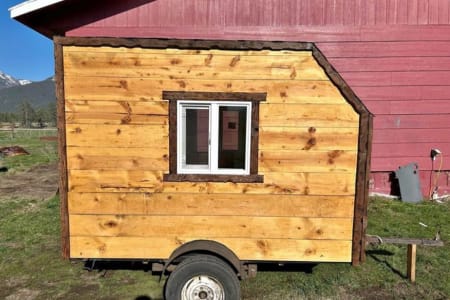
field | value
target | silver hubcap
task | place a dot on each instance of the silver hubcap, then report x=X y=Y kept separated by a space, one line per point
x=202 y=288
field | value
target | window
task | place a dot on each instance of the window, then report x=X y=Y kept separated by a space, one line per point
x=213 y=136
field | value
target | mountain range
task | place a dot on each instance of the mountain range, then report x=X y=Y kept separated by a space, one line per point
x=7 y=81
x=15 y=91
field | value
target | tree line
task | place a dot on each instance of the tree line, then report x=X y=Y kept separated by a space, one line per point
x=28 y=116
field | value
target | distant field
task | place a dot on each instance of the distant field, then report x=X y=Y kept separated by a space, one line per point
x=41 y=151
x=31 y=267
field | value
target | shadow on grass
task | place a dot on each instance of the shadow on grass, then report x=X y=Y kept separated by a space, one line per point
x=287 y=267
x=100 y=265
x=105 y=266
x=380 y=252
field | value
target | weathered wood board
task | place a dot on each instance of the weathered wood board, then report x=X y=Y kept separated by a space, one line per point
x=245 y=248
x=203 y=204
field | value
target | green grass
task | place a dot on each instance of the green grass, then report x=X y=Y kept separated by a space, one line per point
x=30 y=261
x=41 y=152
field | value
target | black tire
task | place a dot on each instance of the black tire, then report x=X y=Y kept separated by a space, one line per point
x=199 y=275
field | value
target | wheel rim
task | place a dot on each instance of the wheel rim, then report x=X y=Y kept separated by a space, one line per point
x=202 y=288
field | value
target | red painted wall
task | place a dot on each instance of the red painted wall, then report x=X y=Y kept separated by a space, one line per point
x=395 y=54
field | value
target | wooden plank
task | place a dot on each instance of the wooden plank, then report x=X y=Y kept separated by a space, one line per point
x=184 y=204
x=401 y=78
x=391 y=64
x=62 y=162
x=272 y=14
x=111 y=118
x=405 y=33
x=411 y=263
x=93 y=180
x=380 y=79
x=362 y=188
x=433 y=11
x=211 y=227
x=312 y=33
x=380 y=49
x=419 y=108
x=316 y=115
x=245 y=249
x=192 y=66
x=369 y=10
x=136 y=106
x=411 y=135
x=381 y=12
x=307 y=161
x=443 y=17
x=137 y=92
x=151 y=181
x=178 y=52
x=411 y=149
x=101 y=135
x=393 y=163
x=291 y=138
x=404 y=241
x=143 y=57
x=402 y=12
x=407 y=93
x=150 y=159
x=375 y=93
x=434 y=120
x=278 y=183
x=423 y=77
x=350 y=8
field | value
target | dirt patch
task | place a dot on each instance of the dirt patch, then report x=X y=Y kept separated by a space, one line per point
x=38 y=183
x=399 y=291
x=23 y=294
x=13 y=151
x=84 y=291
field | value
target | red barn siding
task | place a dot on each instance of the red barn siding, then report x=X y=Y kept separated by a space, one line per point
x=234 y=13
x=395 y=54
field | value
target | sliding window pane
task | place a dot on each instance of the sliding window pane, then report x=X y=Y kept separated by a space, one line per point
x=197 y=136
x=232 y=137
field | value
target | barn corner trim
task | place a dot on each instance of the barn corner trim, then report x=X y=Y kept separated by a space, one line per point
x=365 y=120
x=62 y=149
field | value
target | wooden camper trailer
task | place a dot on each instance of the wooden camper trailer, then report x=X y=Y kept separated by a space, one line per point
x=209 y=157
x=250 y=151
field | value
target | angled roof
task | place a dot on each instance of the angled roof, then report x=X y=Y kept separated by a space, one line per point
x=56 y=17
x=30 y=6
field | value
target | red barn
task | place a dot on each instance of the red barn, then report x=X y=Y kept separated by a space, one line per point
x=395 y=55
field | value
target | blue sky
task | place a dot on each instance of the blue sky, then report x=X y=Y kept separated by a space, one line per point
x=24 y=53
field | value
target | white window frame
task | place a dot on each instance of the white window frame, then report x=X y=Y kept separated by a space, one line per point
x=213 y=147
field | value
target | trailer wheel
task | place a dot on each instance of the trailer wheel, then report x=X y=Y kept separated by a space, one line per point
x=202 y=277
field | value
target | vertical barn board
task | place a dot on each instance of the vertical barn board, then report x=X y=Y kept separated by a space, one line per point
x=318 y=182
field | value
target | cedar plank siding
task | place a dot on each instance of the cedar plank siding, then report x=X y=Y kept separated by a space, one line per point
x=117 y=153
x=394 y=54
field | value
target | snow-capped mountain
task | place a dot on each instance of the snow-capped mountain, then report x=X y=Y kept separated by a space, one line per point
x=24 y=81
x=37 y=93
x=9 y=81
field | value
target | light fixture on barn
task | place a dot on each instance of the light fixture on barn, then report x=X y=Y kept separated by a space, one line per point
x=434 y=187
